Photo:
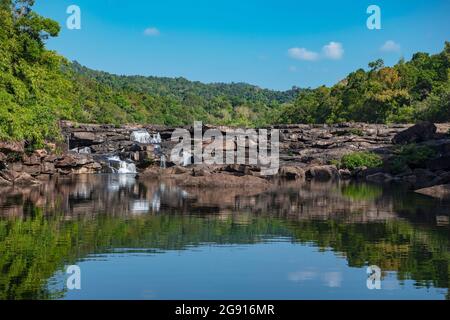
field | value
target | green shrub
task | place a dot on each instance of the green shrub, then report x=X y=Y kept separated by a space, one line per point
x=335 y=162
x=413 y=155
x=361 y=159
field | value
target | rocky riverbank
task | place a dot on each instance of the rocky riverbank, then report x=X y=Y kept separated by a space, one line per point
x=306 y=152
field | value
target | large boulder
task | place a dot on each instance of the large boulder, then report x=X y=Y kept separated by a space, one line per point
x=85 y=138
x=379 y=177
x=291 y=173
x=322 y=173
x=12 y=146
x=420 y=132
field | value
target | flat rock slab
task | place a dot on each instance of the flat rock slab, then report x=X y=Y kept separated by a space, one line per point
x=441 y=191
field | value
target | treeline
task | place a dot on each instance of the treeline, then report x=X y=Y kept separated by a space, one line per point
x=38 y=87
x=409 y=91
x=107 y=98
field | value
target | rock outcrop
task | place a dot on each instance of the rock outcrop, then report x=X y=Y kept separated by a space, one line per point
x=420 y=132
x=306 y=152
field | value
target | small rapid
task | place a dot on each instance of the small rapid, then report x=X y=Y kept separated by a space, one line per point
x=120 y=166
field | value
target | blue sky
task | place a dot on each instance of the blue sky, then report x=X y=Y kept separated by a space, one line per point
x=272 y=44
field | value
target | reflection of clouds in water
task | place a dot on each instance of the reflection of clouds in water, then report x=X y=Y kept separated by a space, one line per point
x=302 y=276
x=139 y=206
x=332 y=279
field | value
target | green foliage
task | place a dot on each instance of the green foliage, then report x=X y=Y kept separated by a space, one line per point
x=361 y=159
x=32 y=87
x=408 y=91
x=412 y=156
x=38 y=88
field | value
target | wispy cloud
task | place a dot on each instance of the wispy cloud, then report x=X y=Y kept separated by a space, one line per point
x=333 y=50
x=303 y=54
x=152 y=32
x=390 y=46
x=292 y=68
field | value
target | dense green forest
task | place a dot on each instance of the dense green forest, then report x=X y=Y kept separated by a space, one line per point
x=38 y=87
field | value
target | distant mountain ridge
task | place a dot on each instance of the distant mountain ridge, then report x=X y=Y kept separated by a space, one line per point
x=180 y=87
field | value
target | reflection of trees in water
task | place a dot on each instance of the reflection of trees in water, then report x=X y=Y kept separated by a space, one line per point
x=58 y=224
x=34 y=248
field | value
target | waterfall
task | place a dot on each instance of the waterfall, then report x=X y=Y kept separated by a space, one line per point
x=163 y=162
x=119 y=166
x=141 y=136
x=187 y=158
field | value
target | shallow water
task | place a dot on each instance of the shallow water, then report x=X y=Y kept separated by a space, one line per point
x=147 y=240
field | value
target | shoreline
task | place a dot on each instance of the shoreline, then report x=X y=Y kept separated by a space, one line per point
x=306 y=152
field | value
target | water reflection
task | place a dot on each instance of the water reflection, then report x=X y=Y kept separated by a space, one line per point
x=308 y=237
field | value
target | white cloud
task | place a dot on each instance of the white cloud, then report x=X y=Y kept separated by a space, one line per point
x=151 y=32
x=303 y=54
x=390 y=46
x=333 y=50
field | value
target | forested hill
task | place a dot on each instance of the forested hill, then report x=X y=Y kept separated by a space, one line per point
x=109 y=98
x=38 y=87
x=181 y=88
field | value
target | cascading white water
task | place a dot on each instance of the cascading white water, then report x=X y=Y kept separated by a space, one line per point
x=163 y=162
x=119 y=166
x=141 y=136
x=187 y=159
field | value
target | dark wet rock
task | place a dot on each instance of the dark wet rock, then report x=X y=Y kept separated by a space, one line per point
x=345 y=174
x=422 y=131
x=424 y=178
x=441 y=163
x=83 y=139
x=379 y=177
x=292 y=173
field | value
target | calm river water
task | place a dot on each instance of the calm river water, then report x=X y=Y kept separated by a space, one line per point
x=148 y=240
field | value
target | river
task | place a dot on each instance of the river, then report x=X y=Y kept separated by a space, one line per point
x=150 y=240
